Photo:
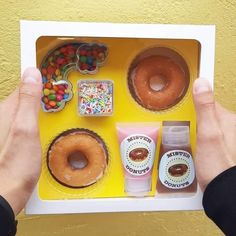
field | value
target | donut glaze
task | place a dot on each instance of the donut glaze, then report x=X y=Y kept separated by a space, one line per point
x=67 y=144
x=171 y=81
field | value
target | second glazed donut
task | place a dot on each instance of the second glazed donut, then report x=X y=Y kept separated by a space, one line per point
x=72 y=143
x=171 y=82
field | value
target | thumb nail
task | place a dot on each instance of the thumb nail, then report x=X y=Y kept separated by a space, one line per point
x=30 y=80
x=201 y=86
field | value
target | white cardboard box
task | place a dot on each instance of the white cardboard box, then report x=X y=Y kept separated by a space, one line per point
x=32 y=30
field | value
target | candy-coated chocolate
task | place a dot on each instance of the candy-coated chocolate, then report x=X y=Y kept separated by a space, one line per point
x=58 y=78
x=90 y=60
x=82 y=52
x=59 y=97
x=84 y=66
x=52 y=103
x=52 y=97
x=45 y=99
x=66 y=95
x=63 y=50
x=71 y=52
x=57 y=52
x=44 y=79
x=58 y=104
x=101 y=55
x=61 y=87
x=55 y=87
x=52 y=91
x=61 y=92
x=48 y=85
x=49 y=77
x=44 y=71
x=51 y=70
x=57 y=72
x=48 y=107
x=83 y=59
x=95 y=53
x=89 y=53
x=46 y=92
x=60 y=60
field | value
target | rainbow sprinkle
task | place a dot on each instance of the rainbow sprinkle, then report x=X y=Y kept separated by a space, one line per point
x=95 y=97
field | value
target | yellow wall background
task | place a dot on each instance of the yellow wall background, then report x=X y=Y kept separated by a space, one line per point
x=218 y=12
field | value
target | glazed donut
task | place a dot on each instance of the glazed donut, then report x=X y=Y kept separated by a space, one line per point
x=158 y=82
x=74 y=145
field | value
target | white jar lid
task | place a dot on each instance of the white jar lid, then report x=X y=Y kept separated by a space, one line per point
x=137 y=187
x=175 y=135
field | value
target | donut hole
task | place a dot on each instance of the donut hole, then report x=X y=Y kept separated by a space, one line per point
x=77 y=160
x=157 y=82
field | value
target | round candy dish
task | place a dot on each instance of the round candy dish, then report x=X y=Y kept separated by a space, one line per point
x=57 y=64
x=90 y=57
x=55 y=95
x=77 y=158
x=158 y=78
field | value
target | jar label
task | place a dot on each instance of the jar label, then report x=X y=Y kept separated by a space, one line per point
x=176 y=169
x=137 y=153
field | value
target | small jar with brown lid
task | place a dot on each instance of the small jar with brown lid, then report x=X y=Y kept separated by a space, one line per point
x=176 y=168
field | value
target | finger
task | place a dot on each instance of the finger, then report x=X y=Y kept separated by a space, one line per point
x=30 y=90
x=9 y=104
x=7 y=113
x=221 y=111
x=207 y=121
x=29 y=98
x=227 y=122
x=12 y=97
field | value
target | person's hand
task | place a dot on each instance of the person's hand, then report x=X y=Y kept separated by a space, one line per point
x=20 y=150
x=216 y=135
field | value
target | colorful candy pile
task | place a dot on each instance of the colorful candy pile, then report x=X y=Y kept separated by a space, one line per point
x=90 y=56
x=56 y=65
x=58 y=62
x=56 y=88
x=95 y=97
x=55 y=94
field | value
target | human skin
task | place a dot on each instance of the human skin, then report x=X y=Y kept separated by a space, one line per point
x=216 y=135
x=20 y=149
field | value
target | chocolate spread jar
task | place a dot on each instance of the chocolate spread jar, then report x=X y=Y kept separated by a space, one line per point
x=176 y=168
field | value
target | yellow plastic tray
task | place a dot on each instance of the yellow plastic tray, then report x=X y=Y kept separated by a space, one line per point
x=122 y=52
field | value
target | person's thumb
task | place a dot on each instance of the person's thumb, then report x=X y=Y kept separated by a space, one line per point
x=30 y=91
x=203 y=97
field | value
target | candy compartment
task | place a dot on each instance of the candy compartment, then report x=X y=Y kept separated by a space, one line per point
x=57 y=65
x=90 y=57
x=55 y=95
x=95 y=97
